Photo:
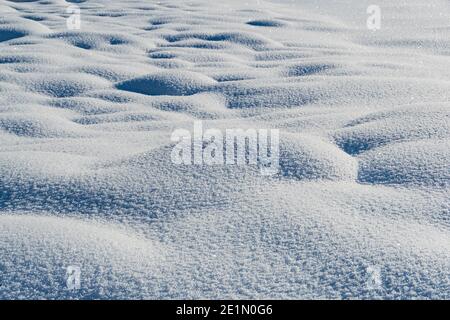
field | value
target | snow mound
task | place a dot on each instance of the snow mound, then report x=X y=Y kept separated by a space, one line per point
x=113 y=262
x=417 y=163
x=250 y=40
x=12 y=28
x=310 y=158
x=101 y=41
x=403 y=123
x=168 y=83
x=39 y=126
x=62 y=85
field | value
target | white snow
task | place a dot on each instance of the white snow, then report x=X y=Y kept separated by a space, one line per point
x=86 y=177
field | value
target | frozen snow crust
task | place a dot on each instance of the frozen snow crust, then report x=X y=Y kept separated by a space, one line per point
x=86 y=177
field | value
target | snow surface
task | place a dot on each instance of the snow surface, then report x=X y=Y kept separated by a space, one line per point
x=86 y=176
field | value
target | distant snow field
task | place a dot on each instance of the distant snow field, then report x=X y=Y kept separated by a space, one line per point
x=92 y=205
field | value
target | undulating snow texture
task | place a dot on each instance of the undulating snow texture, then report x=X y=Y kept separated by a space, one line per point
x=360 y=207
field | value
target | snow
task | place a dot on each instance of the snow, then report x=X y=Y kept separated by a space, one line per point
x=86 y=177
